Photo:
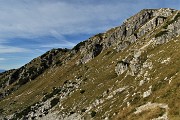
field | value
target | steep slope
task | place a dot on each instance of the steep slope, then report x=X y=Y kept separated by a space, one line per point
x=13 y=79
x=129 y=72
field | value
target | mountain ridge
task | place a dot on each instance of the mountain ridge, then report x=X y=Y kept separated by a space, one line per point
x=108 y=60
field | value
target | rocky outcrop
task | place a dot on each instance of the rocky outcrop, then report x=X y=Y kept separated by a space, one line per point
x=121 y=67
x=132 y=63
x=150 y=106
x=44 y=108
x=170 y=29
x=91 y=48
x=128 y=31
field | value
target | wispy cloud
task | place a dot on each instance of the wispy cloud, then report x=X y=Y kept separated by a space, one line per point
x=37 y=18
x=57 y=45
x=2 y=59
x=10 y=49
x=32 y=18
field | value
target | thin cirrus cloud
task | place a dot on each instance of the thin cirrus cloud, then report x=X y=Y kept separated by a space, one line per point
x=37 y=18
x=27 y=18
x=2 y=59
x=30 y=18
x=30 y=27
x=10 y=49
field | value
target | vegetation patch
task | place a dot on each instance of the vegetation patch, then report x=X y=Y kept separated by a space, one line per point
x=82 y=91
x=23 y=113
x=54 y=102
x=83 y=110
x=161 y=33
x=1 y=110
x=93 y=114
x=50 y=95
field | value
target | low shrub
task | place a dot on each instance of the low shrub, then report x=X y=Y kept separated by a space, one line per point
x=161 y=33
x=83 y=110
x=93 y=114
x=82 y=91
x=54 y=102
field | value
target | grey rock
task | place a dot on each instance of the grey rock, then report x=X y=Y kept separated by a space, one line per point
x=121 y=67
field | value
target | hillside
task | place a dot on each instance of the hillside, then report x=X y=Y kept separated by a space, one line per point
x=130 y=72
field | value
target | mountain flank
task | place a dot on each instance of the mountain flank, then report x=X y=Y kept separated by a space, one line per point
x=130 y=72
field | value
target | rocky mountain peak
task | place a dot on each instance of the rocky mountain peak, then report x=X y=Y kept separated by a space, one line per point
x=121 y=37
x=128 y=72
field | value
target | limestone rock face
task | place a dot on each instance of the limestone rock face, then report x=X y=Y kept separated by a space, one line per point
x=134 y=66
x=126 y=34
x=91 y=48
x=170 y=30
x=121 y=67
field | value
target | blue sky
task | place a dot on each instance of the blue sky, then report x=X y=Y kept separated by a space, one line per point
x=28 y=28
